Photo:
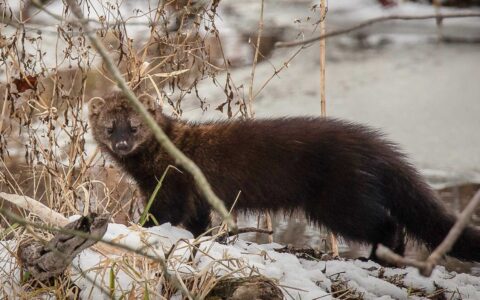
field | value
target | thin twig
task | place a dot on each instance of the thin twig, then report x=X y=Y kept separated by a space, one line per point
x=276 y=72
x=426 y=267
x=456 y=230
x=373 y=21
x=160 y=135
x=251 y=229
x=251 y=98
x=255 y=60
x=323 y=100
x=192 y=8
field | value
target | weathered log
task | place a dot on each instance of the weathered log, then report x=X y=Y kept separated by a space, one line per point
x=251 y=288
x=45 y=261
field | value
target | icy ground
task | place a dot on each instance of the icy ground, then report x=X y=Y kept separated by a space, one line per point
x=298 y=278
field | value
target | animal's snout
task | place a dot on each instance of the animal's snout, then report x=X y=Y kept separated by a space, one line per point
x=122 y=147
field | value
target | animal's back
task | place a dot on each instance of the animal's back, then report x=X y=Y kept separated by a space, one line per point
x=287 y=163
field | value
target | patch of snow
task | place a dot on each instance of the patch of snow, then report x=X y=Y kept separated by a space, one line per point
x=298 y=278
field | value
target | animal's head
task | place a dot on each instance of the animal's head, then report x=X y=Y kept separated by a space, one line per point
x=117 y=126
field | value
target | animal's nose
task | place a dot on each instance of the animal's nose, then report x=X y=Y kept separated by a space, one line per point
x=122 y=146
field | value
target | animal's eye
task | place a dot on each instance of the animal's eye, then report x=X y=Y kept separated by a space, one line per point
x=109 y=130
x=134 y=129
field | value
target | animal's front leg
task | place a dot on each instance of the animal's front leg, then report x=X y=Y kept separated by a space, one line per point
x=167 y=208
x=159 y=219
x=198 y=220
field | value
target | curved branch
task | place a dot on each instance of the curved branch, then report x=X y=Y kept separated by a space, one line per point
x=373 y=21
x=426 y=267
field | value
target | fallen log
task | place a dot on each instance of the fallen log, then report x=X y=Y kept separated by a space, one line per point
x=44 y=261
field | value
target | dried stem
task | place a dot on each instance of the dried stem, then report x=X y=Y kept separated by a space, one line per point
x=333 y=243
x=373 y=21
x=255 y=60
x=437 y=4
x=323 y=101
x=251 y=98
x=268 y=225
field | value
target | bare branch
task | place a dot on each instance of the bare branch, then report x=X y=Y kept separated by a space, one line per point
x=251 y=229
x=373 y=21
x=391 y=257
x=426 y=267
x=43 y=212
x=48 y=215
x=323 y=98
x=456 y=230
x=255 y=60
x=49 y=260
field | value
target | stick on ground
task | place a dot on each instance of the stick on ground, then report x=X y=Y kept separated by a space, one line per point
x=46 y=261
x=426 y=267
x=371 y=22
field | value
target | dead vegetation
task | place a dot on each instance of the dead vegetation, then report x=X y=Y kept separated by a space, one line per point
x=50 y=70
x=46 y=152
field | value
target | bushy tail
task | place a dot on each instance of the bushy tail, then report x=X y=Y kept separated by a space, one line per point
x=426 y=219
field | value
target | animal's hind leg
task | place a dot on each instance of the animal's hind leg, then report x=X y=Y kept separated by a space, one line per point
x=385 y=231
x=364 y=222
x=199 y=221
x=395 y=241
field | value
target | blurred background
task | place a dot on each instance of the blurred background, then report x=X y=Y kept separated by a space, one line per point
x=416 y=80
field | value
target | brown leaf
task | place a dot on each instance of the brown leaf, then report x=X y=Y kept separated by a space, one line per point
x=26 y=83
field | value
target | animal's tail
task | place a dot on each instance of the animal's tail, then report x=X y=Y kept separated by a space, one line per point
x=425 y=217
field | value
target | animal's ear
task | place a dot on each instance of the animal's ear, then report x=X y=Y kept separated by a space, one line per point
x=148 y=101
x=95 y=105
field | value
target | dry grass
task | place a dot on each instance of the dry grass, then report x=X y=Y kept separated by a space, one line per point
x=108 y=274
x=45 y=149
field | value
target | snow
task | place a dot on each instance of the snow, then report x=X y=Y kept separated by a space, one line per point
x=298 y=278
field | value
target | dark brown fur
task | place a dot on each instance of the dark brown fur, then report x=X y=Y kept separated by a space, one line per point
x=342 y=175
